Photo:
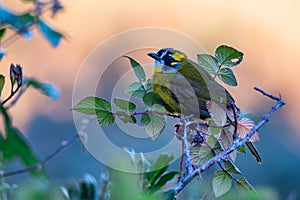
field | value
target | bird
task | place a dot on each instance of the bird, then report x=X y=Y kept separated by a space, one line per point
x=186 y=88
x=183 y=84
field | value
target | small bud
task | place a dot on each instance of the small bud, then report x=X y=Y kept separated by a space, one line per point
x=16 y=74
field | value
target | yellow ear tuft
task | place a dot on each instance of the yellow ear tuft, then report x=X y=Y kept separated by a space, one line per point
x=178 y=56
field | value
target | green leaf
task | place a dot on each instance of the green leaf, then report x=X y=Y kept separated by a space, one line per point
x=208 y=62
x=221 y=183
x=124 y=105
x=216 y=144
x=148 y=86
x=200 y=154
x=227 y=76
x=150 y=99
x=126 y=118
x=90 y=105
x=242 y=149
x=45 y=88
x=25 y=20
x=163 y=180
x=52 y=36
x=254 y=152
x=159 y=167
x=2 y=33
x=16 y=145
x=231 y=167
x=212 y=128
x=243 y=186
x=228 y=56
x=136 y=90
x=104 y=118
x=138 y=69
x=163 y=160
x=153 y=124
x=217 y=113
x=226 y=140
x=2 y=82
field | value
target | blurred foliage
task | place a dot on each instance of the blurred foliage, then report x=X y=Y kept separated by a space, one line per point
x=155 y=182
x=13 y=144
x=152 y=184
x=23 y=23
x=38 y=189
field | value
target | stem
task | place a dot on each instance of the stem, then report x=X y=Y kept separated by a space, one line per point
x=11 y=95
x=157 y=113
x=21 y=92
x=219 y=67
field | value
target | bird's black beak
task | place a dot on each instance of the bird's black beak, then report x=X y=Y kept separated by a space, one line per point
x=154 y=56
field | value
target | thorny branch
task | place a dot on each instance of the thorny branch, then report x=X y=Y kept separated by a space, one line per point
x=186 y=147
x=222 y=156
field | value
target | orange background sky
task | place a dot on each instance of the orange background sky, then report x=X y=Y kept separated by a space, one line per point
x=267 y=32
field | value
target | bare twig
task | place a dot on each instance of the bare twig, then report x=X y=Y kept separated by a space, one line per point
x=157 y=113
x=222 y=156
x=17 y=97
x=13 y=92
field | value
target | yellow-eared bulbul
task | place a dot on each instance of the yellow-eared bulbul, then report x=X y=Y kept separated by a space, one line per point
x=186 y=87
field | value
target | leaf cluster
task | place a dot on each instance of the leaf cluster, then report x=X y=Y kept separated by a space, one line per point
x=213 y=137
x=151 y=118
x=220 y=65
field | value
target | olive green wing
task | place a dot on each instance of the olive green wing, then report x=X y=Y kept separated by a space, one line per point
x=205 y=86
x=188 y=96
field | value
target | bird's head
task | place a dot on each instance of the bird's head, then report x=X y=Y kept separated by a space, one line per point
x=167 y=60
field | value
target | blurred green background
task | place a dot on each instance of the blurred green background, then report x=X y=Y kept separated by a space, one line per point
x=267 y=32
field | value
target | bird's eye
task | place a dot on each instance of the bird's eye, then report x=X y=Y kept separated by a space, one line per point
x=169 y=57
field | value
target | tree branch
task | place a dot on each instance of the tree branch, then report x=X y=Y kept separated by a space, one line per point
x=222 y=156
